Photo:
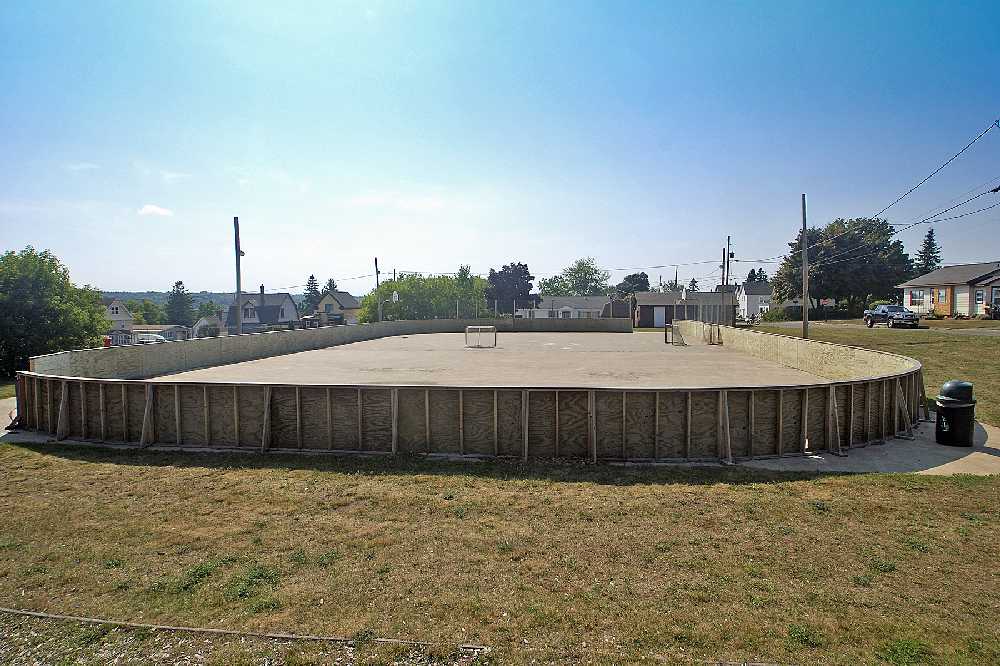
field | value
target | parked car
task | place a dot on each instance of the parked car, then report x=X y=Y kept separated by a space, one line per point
x=148 y=338
x=892 y=316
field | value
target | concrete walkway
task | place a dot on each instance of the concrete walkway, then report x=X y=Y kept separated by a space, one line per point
x=922 y=455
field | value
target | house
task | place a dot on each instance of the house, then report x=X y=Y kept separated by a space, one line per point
x=571 y=307
x=965 y=289
x=208 y=327
x=119 y=316
x=753 y=299
x=262 y=311
x=338 y=307
x=656 y=309
x=172 y=332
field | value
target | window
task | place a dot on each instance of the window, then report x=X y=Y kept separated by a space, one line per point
x=941 y=296
x=980 y=296
x=328 y=308
x=249 y=312
x=114 y=309
x=552 y=313
x=916 y=297
x=281 y=313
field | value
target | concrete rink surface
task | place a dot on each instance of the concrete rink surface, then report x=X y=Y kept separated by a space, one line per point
x=582 y=360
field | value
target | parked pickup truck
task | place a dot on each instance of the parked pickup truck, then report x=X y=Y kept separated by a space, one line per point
x=891 y=316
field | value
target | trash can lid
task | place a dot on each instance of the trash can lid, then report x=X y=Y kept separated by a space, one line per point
x=956 y=390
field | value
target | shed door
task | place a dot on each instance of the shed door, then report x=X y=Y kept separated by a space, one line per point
x=659 y=316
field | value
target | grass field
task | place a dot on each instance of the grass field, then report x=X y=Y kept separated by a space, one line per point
x=944 y=356
x=6 y=389
x=544 y=563
x=943 y=324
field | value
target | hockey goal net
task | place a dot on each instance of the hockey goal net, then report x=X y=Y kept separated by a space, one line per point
x=480 y=337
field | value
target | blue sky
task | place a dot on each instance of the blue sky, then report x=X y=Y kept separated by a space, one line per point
x=437 y=133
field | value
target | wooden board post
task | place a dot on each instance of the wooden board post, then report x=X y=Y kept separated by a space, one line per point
x=656 y=425
x=804 y=434
x=265 y=438
x=394 y=404
x=207 y=415
x=62 y=426
x=850 y=416
x=329 y=419
x=461 y=422
x=624 y=450
x=906 y=411
x=427 y=418
x=83 y=410
x=687 y=428
x=725 y=441
x=834 y=444
x=236 y=414
x=103 y=412
x=557 y=424
x=177 y=415
x=868 y=411
x=361 y=421
x=525 y=414
x=751 y=406
x=592 y=424
x=146 y=438
x=298 y=417
x=781 y=423
x=124 y=412
x=496 y=426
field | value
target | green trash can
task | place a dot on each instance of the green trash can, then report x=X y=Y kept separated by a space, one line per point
x=956 y=414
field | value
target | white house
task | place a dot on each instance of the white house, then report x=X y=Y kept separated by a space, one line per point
x=261 y=311
x=965 y=289
x=753 y=299
x=567 y=307
x=119 y=316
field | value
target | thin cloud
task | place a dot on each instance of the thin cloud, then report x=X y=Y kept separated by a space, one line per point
x=82 y=166
x=171 y=176
x=158 y=211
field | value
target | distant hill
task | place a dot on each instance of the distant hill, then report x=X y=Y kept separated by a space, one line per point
x=198 y=297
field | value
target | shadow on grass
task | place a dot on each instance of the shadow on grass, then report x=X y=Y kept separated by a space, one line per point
x=563 y=471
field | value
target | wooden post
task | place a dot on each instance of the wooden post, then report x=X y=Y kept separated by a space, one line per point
x=897 y=392
x=208 y=415
x=83 y=410
x=687 y=429
x=850 y=416
x=557 y=424
x=830 y=416
x=177 y=414
x=724 y=440
x=781 y=423
x=496 y=430
x=868 y=412
x=49 y=423
x=361 y=419
x=592 y=424
x=265 y=440
x=62 y=427
x=104 y=412
x=624 y=419
x=146 y=438
x=36 y=402
x=751 y=406
x=394 y=403
x=525 y=415
x=883 y=410
x=905 y=409
x=833 y=445
x=804 y=434
x=461 y=422
x=236 y=414
x=923 y=397
x=329 y=419
x=427 y=418
x=298 y=417
x=656 y=424
x=124 y=412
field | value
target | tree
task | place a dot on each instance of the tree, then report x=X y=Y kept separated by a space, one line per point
x=180 y=306
x=852 y=261
x=631 y=284
x=671 y=285
x=693 y=285
x=427 y=297
x=756 y=275
x=929 y=257
x=148 y=312
x=581 y=278
x=329 y=287
x=41 y=311
x=208 y=309
x=313 y=296
x=511 y=283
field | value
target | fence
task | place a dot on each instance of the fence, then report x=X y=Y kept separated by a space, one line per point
x=531 y=422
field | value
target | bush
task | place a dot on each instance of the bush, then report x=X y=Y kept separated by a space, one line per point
x=874 y=304
x=775 y=314
x=933 y=316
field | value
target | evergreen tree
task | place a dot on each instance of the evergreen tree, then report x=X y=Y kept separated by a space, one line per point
x=330 y=286
x=693 y=285
x=929 y=257
x=751 y=277
x=180 y=306
x=313 y=297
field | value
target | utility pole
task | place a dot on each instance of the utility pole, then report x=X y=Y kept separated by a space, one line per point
x=729 y=255
x=378 y=296
x=723 y=266
x=239 y=287
x=805 y=273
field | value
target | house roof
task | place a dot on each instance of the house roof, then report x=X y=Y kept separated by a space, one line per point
x=267 y=307
x=729 y=288
x=960 y=274
x=573 y=302
x=757 y=288
x=657 y=298
x=346 y=301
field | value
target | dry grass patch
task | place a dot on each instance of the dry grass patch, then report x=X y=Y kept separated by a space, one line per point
x=944 y=356
x=542 y=562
